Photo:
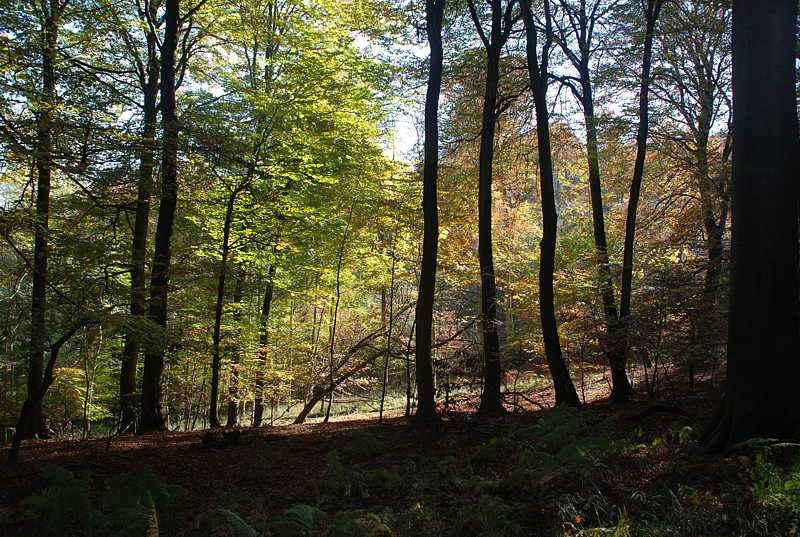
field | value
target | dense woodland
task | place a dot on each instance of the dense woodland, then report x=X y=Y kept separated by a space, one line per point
x=389 y=268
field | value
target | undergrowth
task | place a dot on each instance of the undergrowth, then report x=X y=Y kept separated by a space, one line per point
x=570 y=474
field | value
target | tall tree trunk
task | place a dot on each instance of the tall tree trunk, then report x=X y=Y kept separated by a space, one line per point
x=426 y=408
x=151 y=419
x=219 y=307
x=233 y=387
x=763 y=375
x=34 y=424
x=620 y=385
x=652 y=11
x=538 y=73
x=263 y=340
x=491 y=400
x=130 y=351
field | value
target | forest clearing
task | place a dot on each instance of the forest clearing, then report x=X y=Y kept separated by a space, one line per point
x=394 y=268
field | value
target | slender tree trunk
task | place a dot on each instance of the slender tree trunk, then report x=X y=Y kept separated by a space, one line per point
x=620 y=386
x=491 y=401
x=34 y=424
x=652 y=11
x=335 y=312
x=130 y=351
x=538 y=72
x=763 y=375
x=151 y=419
x=219 y=307
x=233 y=387
x=263 y=340
x=408 y=368
x=426 y=409
x=389 y=330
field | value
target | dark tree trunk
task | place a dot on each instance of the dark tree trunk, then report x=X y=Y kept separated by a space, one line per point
x=233 y=387
x=491 y=399
x=263 y=340
x=34 y=422
x=426 y=408
x=620 y=385
x=651 y=14
x=151 y=419
x=130 y=351
x=219 y=307
x=538 y=74
x=764 y=324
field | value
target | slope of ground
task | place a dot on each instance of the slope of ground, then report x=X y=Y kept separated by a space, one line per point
x=633 y=469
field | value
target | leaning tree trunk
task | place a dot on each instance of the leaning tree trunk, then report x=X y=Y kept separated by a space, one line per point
x=652 y=12
x=151 y=419
x=538 y=72
x=426 y=408
x=763 y=375
x=130 y=351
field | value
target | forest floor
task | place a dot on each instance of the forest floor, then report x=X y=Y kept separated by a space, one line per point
x=632 y=469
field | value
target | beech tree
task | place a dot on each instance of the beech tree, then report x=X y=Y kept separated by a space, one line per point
x=502 y=19
x=538 y=74
x=763 y=376
x=426 y=409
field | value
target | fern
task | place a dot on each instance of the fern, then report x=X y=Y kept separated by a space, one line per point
x=237 y=523
x=299 y=521
x=65 y=506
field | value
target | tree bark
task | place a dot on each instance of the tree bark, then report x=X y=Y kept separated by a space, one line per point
x=652 y=12
x=426 y=408
x=152 y=419
x=219 y=307
x=620 y=385
x=763 y=375
x=233 y=387
x=491 y=400
x=130 y=351
x=263 y=340
x=34 y=422
x=538 y=73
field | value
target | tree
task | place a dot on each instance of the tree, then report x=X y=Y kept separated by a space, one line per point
x=147 y=75
x=763 y=375
x=651 y=14
x=502 y=22
x=577 y=37
x=51 y=13
x=538 y=75
x=426 y=408
x=151 y=419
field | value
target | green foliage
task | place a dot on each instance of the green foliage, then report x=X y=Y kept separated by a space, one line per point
x=363 y=444
x=355 y=524
x=490 y=516
x=564 y=442
x=417 y=521
x=383 y=482
x=66 y=506
x=299 y=521
x=338 y=482
x=777 y=490
x=237 y=523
